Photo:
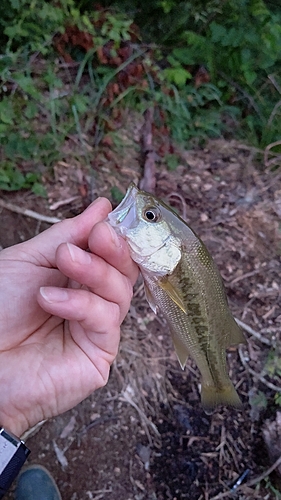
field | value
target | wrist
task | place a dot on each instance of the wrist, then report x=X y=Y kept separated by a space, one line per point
x=17 y=427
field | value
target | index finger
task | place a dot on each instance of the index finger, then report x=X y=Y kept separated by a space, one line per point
x=103 y=241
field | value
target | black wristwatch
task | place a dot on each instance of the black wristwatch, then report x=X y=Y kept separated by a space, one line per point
x=13 y=454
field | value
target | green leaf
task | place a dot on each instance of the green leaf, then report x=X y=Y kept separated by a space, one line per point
x=81 y=102
x=250 y=77
x=7 y=114
x=18 y=146
x=4 y=128
x=4 y=178
x=39 y=190
x=5 y=62
x=218 y=32
x=27 y=84
x=184 y=55
x=178 y=75
x=116 y=194
x=11 y=179
x=172 y=161
x=15 y=4
x=31 y=110
x=259 y=400
x=277 y=398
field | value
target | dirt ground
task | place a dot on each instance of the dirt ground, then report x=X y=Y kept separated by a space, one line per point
x=145 y=436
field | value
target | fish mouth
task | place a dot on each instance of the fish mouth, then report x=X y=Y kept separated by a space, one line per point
x=125 y=210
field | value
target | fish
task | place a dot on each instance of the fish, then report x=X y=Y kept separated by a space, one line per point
x=183 y=283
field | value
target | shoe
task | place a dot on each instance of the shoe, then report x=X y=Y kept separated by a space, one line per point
x=36 y=483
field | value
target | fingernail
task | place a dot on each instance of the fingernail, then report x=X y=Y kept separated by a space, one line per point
x=115 y=239
x=53 y=294
x=78 y=255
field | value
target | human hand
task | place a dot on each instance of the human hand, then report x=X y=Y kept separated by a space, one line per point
x=60 y=314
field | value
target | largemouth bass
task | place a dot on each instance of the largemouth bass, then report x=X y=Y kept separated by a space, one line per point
x=182 y=281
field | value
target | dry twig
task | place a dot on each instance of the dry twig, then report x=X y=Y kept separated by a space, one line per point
x=255 y=374
x=274 y=82
x=148 y=181
x=31 y=432
x=253 y=481
x=28 y=213
x=273 y=113
x=126 y=397
x=61 y=203
x=243 y=276
x=273 y=161
x=95 y=423
x=255 y=334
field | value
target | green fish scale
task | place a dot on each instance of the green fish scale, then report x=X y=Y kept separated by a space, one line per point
x=197 y=268
x=195 y=329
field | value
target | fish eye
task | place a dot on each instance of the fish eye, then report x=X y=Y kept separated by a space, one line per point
x=152 y=214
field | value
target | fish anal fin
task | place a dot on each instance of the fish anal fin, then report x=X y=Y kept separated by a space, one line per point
x=235 y=335
x=181 y=351
x=173 y=293
x=212 y=396
x=150 y=299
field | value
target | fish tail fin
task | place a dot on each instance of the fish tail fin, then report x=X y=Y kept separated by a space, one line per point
x=212 y=396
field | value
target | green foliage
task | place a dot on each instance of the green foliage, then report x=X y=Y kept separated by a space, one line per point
x=272 y=369
x=277 y=399
x=259 y=400
x=32 y=24
x=237 y=42
x=38 y=111
x=192 y=113
x=11 y=179
x=273 y=364
x=172 y=161
x=176 y=73
x=276 y=492
x=116 y=28
x=116 y=194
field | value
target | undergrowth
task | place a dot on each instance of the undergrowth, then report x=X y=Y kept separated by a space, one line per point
x=207 y=67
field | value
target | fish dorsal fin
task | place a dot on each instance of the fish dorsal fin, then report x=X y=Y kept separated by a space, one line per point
x=150 y=299
x=235 y=335
x=173 y=293
x=181 y=350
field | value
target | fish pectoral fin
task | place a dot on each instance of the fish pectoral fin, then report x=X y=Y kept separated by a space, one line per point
x=181 y=351
x=150 y=299
x=169 y=288
x=235 y=335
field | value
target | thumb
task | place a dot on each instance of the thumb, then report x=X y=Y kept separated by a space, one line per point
x=41 y=250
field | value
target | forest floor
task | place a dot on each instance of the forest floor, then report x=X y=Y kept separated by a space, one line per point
x=145 y=436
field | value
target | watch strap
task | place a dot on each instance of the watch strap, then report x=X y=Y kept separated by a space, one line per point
x=13 y=454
